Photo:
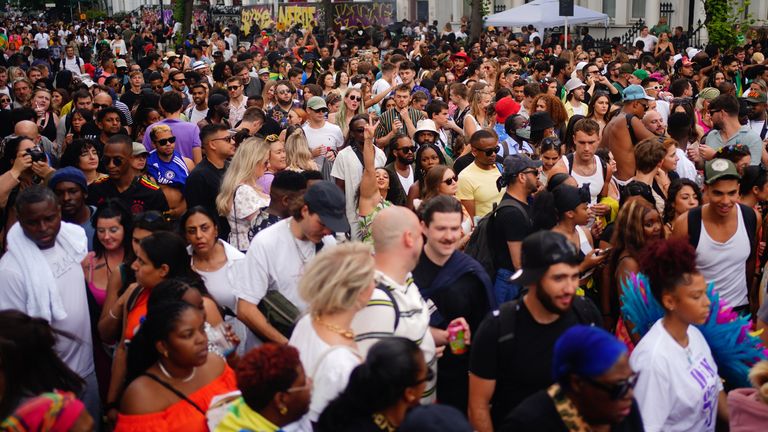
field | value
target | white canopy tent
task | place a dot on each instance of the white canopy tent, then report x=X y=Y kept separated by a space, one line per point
x=543 y=14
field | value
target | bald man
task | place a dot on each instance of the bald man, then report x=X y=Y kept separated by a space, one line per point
x=29 y=129
x=654 y=122
x=396 y=307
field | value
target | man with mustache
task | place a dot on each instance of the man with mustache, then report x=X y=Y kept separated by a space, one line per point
x=458 y=287
x=511 y=356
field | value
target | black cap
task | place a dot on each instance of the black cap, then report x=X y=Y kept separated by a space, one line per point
x=327 y=200
x=542 y=250
x=569 y=197
x=540 y=121
x=518 y=163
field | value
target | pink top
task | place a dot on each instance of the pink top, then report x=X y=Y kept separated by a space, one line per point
x=99 y=294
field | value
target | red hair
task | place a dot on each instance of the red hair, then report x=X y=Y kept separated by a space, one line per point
x=266 y=370
x=667 y=263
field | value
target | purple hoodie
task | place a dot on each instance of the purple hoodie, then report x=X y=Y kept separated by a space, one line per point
x=747 y=411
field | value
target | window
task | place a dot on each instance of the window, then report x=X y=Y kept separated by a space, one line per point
x=609 y=8
x=638 y=9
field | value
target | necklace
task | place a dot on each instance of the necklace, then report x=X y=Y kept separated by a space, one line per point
x=383 y=423
x=345 y=333
x=165 y=372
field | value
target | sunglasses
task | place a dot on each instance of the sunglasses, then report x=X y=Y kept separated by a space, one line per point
x=117 y=160
x=321 y=110
x=180 y=80
x=283 y=92
x=452 y=180
x=354 y=98
x=233 y=88
x=656 y=87
x=407 y=149
x=714 y=111
x=100 y=106
x=489 y=152
x=616 y=390
x=166 y=141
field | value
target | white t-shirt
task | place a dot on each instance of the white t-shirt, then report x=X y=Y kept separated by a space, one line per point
x=678 y=388
x=406 y=182
x=195 y=115
x=41 y=39
x=347 y=167
x=330 y=377
x=649 y=41
x=329 y=136
x=757 y=127
x=73 y=64
x=275 y=261
x=70 y=281
x=381 y=85
x=685 y=168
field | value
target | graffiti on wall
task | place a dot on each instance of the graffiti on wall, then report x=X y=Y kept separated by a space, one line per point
x=363 y=15
x=346 y=14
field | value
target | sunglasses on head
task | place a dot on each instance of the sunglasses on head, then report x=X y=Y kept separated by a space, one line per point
x=452 y=180
x=166 y=141
x=117 y=160
x=489 y=152
x=616 y=390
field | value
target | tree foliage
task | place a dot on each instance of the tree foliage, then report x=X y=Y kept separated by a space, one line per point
x=727 y=22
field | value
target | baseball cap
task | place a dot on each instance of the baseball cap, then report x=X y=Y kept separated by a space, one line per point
x=138 y=148
x=263 y=71
x=580 y=65
x=68 y=174
x=718 y=169
x=626 y=68
x=518 y=163
x=198 y=65
x=635 y=92
x=316 y=103
x=542 y=250
x=641 y=74
x=327 y=200
x=216 y=99
x=573 y=84
x=756 y=97
x=462 y=55
x=505 y=107
x=120 y=63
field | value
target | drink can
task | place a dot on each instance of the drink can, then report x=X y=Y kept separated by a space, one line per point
x=456 y=339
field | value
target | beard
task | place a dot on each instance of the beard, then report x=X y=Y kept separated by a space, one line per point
x=546 y=301
x=404 y=160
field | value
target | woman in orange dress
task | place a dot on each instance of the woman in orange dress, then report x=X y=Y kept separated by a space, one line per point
x=171 y=375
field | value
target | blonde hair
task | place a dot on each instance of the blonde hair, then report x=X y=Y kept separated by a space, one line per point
x=297 y=153
x=249 y=155
x=334 y=279
x=341 y=116
x=758 y=375
x=158 y=129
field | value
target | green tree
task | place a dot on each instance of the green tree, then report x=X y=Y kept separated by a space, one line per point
x=727 y=21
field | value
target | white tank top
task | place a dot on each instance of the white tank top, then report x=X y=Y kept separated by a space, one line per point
x=584 y=245
x=724 y=263
x=596 y=180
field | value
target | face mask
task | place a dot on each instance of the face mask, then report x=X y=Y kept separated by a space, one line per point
x=524 y=133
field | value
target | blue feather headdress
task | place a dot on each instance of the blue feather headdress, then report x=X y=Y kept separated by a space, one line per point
x=734 y=346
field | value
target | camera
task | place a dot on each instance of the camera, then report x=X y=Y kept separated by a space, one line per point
x=37 y=154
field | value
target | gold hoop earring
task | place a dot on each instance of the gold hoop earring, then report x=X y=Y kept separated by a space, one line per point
x=283 y=410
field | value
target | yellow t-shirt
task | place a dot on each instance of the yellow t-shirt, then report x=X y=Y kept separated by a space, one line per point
x=479 y=185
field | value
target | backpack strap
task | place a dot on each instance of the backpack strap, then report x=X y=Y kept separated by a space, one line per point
x=694 y=226
x=507 y=317
x=569 y=158
x=632 y=135
x=386 y=290
x=586 y=311
x=750 y=223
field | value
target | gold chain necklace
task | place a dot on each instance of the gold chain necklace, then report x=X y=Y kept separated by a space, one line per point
x=345 y=333
x=383 y=423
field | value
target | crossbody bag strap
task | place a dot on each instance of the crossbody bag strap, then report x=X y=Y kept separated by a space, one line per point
x=175 y=391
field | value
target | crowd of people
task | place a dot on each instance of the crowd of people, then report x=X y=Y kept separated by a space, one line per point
x=398 y=230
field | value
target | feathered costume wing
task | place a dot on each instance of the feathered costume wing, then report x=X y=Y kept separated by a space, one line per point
x=734 y=346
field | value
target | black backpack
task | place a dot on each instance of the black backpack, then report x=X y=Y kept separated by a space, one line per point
x=481 y=243
x=586 y=313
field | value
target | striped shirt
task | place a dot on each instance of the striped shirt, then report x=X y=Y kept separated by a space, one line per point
x=389 y=116
x=377 y=321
